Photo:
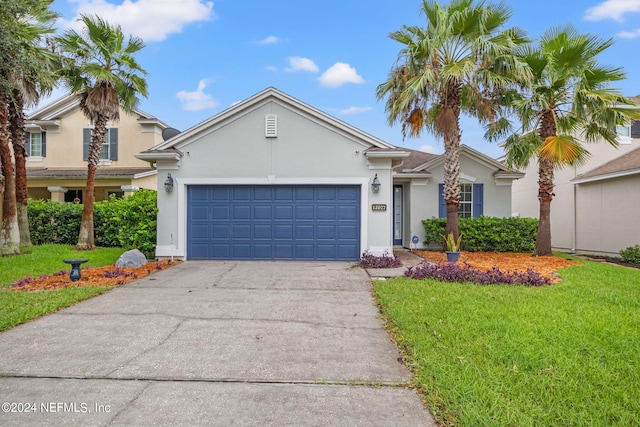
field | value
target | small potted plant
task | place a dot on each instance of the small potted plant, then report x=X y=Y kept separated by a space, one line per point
x=453 y=247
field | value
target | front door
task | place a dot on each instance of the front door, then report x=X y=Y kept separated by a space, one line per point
x=397 y=214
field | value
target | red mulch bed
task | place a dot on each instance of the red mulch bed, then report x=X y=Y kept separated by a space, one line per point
x=99 y=276
x=546 y=266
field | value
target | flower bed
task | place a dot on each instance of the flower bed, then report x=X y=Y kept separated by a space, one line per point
x=101 y=276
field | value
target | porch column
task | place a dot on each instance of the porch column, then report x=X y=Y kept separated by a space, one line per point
x=57 y=193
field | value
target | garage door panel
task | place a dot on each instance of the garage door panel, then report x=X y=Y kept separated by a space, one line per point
x=262 y=212
x=304 y=212
x=220 y=212
x=217 y=193
x=326 y=212
x=218 y=231
x=304 y=231
x=273 y=222
x=241 y=231
x=262 y=231
x=201 y=213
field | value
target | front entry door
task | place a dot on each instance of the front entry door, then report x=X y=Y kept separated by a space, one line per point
x=397 y=214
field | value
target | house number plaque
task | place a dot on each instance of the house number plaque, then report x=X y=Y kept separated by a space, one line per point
x=380 y=208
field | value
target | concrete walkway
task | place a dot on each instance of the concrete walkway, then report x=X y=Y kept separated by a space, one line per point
x=213 y=343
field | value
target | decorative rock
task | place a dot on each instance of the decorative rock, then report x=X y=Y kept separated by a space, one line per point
x=131 y=259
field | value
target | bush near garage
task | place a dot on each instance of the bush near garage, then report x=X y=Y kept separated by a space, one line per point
x=631 y=254
x=129 y=222
x=487 y=234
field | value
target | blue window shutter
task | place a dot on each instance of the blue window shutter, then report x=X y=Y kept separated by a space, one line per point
x=635 y=129
x=478 y=202
x=442 y=207
x=27 y=144
x=86 y=142
x=113 y=144
x=44 y=144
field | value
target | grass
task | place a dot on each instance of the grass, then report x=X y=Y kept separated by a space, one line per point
x=560 y=355
x=19 y=307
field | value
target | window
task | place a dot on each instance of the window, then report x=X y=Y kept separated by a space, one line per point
x=465 y=209
x=35 y=144
x=109 y=148
x=624 y=134
x=471 y=201
x=104 y=150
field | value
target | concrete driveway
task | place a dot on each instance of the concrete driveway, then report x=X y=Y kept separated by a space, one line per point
x=213 y=343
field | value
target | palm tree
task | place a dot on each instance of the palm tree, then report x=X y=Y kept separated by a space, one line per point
x=569 y=102
x=20 y=25
x=102 y=71
x=454 y=65
x=37 y=77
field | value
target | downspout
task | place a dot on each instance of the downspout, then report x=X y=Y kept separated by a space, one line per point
x=575 y=214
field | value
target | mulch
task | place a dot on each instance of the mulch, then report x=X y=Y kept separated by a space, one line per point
x=546 y=266
x=99 y=276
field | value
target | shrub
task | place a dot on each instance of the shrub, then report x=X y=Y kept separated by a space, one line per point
x=129 y=222
x=52 y=222
x=450 y=272
x=385 y=260
x=488 y=234
x=631 y=254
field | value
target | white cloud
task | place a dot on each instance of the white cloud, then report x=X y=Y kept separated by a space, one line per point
x=271 y=68
x=354 y=110
x=612 y=9
x=196 y=100
x=427 y=149
x=297 y=63
x=629 y=34
x=151 y=20
x=269 y=40
x=340 y=74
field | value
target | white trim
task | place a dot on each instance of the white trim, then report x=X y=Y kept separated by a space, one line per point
x=181 y=184
x=606 y=176
x=145 y=174
x=35 y=159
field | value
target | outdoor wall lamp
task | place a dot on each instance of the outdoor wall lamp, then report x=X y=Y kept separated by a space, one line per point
x=168 y=184
x=375 y=184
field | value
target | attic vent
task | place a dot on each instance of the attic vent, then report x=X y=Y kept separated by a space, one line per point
x=271 y=126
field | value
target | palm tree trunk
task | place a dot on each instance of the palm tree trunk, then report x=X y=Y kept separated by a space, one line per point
x=86 y=239
x=545 y=195
x=452 y=186
x=448 y=123
x=545 y=187
x=16 y=120
x=9 y=233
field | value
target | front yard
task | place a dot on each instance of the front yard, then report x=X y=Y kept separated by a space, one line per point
x=565 y=354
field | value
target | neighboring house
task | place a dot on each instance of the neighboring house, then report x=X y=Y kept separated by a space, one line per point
x=274 y=178
x=58 y=144
x=594 y=210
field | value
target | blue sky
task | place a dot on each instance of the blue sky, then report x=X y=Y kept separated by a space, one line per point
x=202 y=56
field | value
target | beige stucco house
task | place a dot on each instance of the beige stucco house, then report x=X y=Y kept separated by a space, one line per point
x=275 y=178
x=595 y=207
x=57 y=148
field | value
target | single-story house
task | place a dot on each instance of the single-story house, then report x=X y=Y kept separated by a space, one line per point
x=274 y=178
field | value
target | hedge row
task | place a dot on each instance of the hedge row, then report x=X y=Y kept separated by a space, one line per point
x=129 y=222
x=487 y=234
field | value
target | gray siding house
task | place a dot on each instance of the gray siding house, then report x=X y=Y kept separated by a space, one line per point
x=274 y=178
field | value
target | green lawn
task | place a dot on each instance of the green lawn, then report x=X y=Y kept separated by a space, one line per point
x=561 y=355
x=18 y=306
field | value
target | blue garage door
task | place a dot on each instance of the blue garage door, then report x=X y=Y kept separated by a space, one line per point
x=274 y=222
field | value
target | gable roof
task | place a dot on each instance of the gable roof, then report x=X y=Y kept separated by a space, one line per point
x=627 y=164
x=69 y=104
x=270 y=94
x=501 y=170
